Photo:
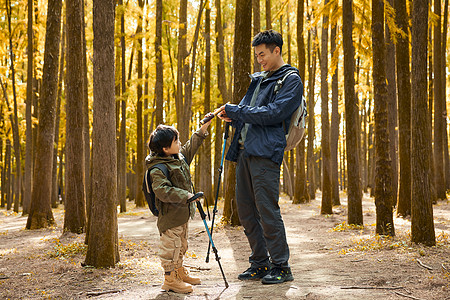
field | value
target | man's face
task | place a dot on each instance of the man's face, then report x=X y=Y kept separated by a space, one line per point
x=267 y=59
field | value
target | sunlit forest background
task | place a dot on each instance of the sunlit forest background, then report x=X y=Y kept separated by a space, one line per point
x=176 y=60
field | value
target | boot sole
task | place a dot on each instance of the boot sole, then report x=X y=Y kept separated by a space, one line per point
x=167 y=289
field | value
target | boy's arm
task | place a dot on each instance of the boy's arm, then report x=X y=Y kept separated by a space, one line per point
x=165 y=191
x=190 y=148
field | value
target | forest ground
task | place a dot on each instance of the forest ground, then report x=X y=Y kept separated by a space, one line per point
x=329 y=259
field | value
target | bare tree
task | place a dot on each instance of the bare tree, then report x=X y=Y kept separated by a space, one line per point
x=383 y=172
x=75 y=202
x=40 y=211
x=103 y=242
x=422 y=226
x=351 y=119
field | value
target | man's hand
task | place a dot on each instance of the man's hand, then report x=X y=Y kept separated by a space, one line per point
x=223 y=115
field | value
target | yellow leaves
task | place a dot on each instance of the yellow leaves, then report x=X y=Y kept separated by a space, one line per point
x=344 y=227
x=65 y=251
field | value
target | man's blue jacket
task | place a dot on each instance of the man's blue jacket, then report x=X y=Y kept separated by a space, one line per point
x=266 y=134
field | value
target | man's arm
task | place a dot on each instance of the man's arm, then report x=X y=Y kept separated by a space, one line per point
x=286 y=102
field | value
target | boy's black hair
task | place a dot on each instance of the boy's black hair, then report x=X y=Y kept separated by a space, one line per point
x=162 y=137
x=271 y=38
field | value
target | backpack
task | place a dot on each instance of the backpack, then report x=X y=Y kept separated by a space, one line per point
x=147 y=187
x=298 y=123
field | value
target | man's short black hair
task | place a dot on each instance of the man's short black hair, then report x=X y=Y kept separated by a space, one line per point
x=270 y=37
x=162 y=137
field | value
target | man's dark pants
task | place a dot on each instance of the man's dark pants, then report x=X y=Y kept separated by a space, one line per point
x=257 y=195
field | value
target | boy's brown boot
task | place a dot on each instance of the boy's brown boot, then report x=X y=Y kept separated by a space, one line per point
x=174 y=283
x=184 y=275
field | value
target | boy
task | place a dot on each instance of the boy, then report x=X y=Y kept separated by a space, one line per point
x=172 y=196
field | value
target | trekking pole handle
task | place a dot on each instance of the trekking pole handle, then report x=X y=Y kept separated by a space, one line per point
x=210 y=116
x=195 y=197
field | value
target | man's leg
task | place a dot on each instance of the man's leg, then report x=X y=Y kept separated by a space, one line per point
x=248 y=213
x=265 y=181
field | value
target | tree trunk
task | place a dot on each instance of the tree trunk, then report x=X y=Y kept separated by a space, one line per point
x=301 y=194
x=256 y=7
x=268 y=15
x=351 y=119
x=392 y=108
x=139 y=135
x=103 y=243
x=422 y=226
x=334 y=114
x=15 y=124
x=444 y=92
x=205 y=158
x=159 y=80
x=75 y=205
x=327 y=203
x=7 y=177
x=55 y=183
x=310 y=157
x=41 y=215
x=439 y=120
x=241 y=68
x=383 y=174
x=404 y=110
x=28 y=174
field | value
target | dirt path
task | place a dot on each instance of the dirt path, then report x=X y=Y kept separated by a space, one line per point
x=329 y=260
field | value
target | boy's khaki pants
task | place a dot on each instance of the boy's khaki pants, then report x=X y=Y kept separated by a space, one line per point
x=173 y=245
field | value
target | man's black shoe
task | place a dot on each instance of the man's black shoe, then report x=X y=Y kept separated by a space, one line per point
x=254 y=273
x=278 y=275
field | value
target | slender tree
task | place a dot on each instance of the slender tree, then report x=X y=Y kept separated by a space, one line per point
x=256 y=7
x=404 y=109
x=241 y=68
x=311 y=120
x=103 y=242
x=268 y=15
x=15 y=124
x=392 y=107
x=439 y=118
x=383 y=172
x=351 y=119
x=334 y=137
x=75 y=204
x=29 y=102
x=422 y=226
x=41 y=215
x=327 y=204
x=159 y=80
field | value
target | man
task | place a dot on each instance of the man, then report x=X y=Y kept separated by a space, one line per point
x=261 y=120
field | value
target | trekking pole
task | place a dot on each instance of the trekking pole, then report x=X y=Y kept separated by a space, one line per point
x=203 y=216
x=225 y=137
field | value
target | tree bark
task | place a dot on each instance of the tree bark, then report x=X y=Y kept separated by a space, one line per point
x=139 y=135
x=159 y=80
x=241 y=68
x=41 y=215
x=351 y=119
x=310 y=158
x=383 y=172
x=15 y=124
x=103 y=243
x=268 y=15
x=75 y=205
x=28 y=174
x=256 y=7
x=327 y=202
x=334 y=137
x=422 y=226
x=404 y=110
x=392 y=108
x=439 y=120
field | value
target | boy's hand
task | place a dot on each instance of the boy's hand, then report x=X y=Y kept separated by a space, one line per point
x=194 y=197
x=205 y=126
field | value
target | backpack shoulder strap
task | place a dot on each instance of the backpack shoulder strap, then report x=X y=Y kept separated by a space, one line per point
x=147 y=177
x=280 y=81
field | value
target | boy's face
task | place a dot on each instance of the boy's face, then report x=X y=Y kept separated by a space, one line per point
x=269 y=60
x=174 y=148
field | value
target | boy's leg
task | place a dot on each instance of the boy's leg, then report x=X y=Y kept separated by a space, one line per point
x=169 y=253
x=181 y=271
